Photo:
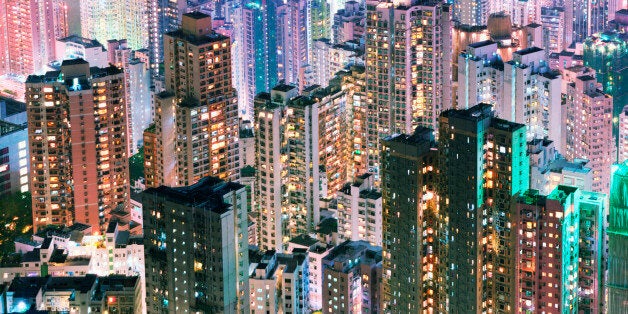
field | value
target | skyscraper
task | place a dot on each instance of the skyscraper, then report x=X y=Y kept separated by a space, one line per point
x=617 y=285
x=196 y=118
x=588 y=129
x=547 y=251
x=286 y=145
x=196 y=246
x=258 y=37
x=360 y=211
x=408 y=68
x=523 y=90
x=483 y=163
x=105 y=20
x=413 y=269
x=294 y=40
x=26 y=36
x=607 y=54
x=77 y=137
x=351 y=282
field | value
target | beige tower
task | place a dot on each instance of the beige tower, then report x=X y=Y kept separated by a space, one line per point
x=77 y=137
x=196 y=118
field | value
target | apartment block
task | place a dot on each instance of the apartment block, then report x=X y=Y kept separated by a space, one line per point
x=588 y=129
x=408 y=69
x=287 y=149
x=77 y=142
x=483 y=164
x=360 y=211
x=412 y=265
x=196 y=246
x=349 y=23
x=351 y=278
x=548 y=169
x=616 y=290
x=196 y=118
x=279 y=283
x=547 y=251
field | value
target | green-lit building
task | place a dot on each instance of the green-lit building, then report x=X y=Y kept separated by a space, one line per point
x=617 y=284
x=607 y=53
x=320 y=19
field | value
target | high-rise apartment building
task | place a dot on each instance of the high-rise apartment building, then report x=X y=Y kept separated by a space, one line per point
x=333 y=143
x=622 y=148
x=617 y=284
x=77 y=138
x=531 y=95
x=523 y=90
x=258 y=40
x=294 y=40
x=589 y=17
x=354 y=84
x=279 y=283
x=196 y=246
x=320 y=19
x=483 y=163
x=408 y=68
x=592 y=254
x=351 y=278
x=196 y=118
x=607 y=54
x=287 y=150
x=105 y=20
x=14 y=161
x=360 y=211
x=413 y=270
x=548 y=169
x=26 y=36
x=73 y=47
x=557 y=29
x=328 y=59
x=547 y=251
x=588 y=129
x=138 y=94
x=349 y=23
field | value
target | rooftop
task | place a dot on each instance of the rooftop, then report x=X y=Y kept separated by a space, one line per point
x=528 y=51
x=207 y=192
x=482 y=44
x=86 y=42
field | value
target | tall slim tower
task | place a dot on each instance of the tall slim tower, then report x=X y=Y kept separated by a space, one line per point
x=588 y=126
x=408 y=68
x=413 y=268
x=77 y=137
x=258 y=38
x=196 y=246
x=105 y=20
x=483 y=163
x=27 y=36
x=293 y=42
x=286 y=146
x=196 y=118
x=617 y=285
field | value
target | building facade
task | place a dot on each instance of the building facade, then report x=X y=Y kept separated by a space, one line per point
x=196 y=118
x=77 y=120
x=408 y=69
x=196 y=248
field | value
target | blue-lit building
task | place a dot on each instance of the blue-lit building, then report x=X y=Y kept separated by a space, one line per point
x=258 y=37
